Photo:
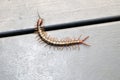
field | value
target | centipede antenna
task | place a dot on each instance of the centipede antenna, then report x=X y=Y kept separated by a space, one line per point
x=61 y=26
x=38 y=15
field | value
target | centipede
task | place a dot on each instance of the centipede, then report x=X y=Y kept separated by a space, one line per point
x=53 y=41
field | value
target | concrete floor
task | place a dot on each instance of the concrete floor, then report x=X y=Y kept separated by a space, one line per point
x=24 y=58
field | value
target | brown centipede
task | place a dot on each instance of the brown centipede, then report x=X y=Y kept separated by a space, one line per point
x=53 y=41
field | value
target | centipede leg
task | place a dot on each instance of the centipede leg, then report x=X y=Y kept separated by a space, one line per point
x=73 y=46
x=45 y=45
x=62 y=48
x=41 y=42
x=36 y=29
x=36 y=32
x=58 y=48
x=69 y=47
x=38 y=39
x=79 y=37
x=37 y=36
x=50 y=47
x=76 y=46
x=66 y=47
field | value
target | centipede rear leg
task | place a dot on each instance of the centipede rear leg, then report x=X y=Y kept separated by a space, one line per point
x=82 y=41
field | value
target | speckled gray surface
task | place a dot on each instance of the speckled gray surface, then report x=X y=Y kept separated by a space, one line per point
x=24 y=58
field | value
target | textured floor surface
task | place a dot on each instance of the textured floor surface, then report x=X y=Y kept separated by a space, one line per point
x=24 y=58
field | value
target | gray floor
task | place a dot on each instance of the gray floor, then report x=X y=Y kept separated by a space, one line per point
x=24 y=58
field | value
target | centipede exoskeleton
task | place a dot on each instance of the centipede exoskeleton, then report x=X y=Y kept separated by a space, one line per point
x=54 y=41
